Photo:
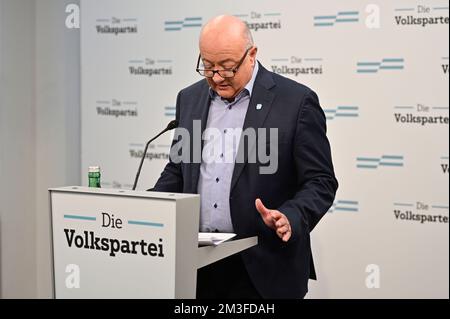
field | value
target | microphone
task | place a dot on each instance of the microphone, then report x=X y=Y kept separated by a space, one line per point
x=172 y=124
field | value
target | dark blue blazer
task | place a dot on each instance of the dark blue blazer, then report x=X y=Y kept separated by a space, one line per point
x=303 y=188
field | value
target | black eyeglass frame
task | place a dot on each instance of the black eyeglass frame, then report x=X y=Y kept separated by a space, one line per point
x=234 y=69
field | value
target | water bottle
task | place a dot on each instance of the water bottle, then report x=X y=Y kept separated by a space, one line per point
x=94 y=176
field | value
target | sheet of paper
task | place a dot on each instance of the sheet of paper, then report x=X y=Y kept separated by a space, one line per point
x=213 y=239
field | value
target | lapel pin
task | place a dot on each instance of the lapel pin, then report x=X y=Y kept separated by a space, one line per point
x=258 y=106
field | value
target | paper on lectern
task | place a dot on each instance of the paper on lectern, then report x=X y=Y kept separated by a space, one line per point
x=213 y=239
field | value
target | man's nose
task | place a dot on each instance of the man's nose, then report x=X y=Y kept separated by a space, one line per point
x=217 y=78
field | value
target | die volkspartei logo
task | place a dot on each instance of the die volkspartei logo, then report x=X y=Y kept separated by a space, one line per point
x=444 y=164
x=421 y=212
x=89 y=240
x=421 y=114
x=296 y=66
x=116 y=26
x=155 y=151
x=444 y=65
x=422 y=15
x=115 y=108
x=150 y=67
x=258 y=21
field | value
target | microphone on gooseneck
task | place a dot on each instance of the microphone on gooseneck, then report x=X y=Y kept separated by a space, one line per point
x=172 y=124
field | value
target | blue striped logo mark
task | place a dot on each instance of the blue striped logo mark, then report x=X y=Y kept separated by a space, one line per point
x=385 y=64
x=410 y=206
x=439 y=207
x=79 y=217
x=375 y=162
x=342 y=111
x=169 y=111
x=403 y=205
x=404 y=107
x=178 y=25
x=446 y=8
x=405 y=9
x=344 y=206
x=145 y=223
x=340 y=17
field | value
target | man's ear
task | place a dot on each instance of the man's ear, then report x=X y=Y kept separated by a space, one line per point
x=253 y=52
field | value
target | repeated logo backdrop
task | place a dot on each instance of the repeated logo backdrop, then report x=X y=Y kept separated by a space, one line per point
x=380 y=69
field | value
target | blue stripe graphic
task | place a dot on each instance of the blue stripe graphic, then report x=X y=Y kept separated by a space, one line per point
x=331 y=20
x=349 y=209
x=393 y=157
x=178 y=25
x=390 y=164
x=352 y=202
x=405 y=9
x=80 y=217
x=313 y=59
x=344 y=205
x=404 y=204
x=366 y=166
x=143 y=223
x=173 y=22
x=280 y=59
x=348 y=13
x=385 y=64
x=367 y=159
x=342 y=111
x=385 y=160
x=404 y=107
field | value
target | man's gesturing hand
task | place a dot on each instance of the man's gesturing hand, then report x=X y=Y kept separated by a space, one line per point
x=275 y=220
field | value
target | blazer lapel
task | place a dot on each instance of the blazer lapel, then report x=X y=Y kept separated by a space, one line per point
x=258 y=109
x=201 y=113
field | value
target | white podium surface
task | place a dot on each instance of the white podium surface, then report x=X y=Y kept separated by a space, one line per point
x=111 y=243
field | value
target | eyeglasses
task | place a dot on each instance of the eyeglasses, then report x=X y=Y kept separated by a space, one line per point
x=224 y=73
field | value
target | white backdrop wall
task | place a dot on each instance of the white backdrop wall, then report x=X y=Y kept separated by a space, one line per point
x=39 y=136
x=380 y=69
x=17 y=151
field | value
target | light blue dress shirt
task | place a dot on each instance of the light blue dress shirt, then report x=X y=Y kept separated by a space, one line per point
x=221 y=141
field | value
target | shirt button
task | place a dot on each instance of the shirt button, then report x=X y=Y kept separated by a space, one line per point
x=221 y=155
x=215 y=205
x=217 y=180
x=225 y=130
x=230 y=107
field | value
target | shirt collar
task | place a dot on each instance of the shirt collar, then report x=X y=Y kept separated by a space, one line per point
x=248 y=87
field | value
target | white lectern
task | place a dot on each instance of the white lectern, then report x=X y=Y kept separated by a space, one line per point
x=110 y=243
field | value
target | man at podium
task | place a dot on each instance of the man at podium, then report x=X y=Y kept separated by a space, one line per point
x=280 y=200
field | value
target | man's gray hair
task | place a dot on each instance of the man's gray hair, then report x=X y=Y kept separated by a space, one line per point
x=248 y=36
